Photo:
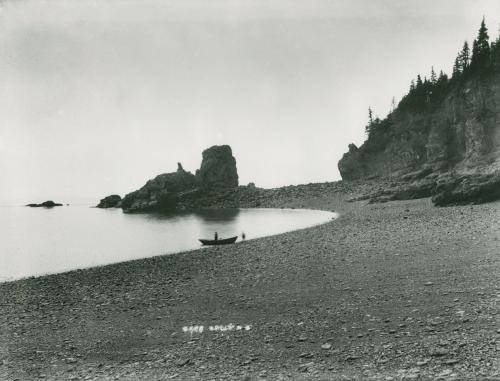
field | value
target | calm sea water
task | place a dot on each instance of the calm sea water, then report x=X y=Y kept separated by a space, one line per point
x=36 y=241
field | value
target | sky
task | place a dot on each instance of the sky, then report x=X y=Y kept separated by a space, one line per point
x=97 y=97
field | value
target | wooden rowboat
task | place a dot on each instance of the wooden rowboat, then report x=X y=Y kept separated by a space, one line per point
x=224 y=241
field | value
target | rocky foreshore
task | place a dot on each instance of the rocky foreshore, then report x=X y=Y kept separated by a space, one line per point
x=445 y=189
x=399 y=290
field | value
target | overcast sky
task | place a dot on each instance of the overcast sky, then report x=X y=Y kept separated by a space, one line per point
x=96 y=97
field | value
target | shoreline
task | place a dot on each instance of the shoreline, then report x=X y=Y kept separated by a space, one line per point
x=385 y=291
x=201 y=247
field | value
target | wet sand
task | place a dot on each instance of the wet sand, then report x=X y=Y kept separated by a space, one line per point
x=401 y=290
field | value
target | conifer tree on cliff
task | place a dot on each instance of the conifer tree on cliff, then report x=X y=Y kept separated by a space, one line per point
x=495 y=51
x=481 y=49
x=370 y=121
x=433 y=76
x=464 y=57
x=443 y=78
x=456 y=68
x=419 y=81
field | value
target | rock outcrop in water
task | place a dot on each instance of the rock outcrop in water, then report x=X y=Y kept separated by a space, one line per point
x=443 y=139
x=216 y=179
x=46 y=204
x=113 y=201
x=162 y=193
x=218 y=168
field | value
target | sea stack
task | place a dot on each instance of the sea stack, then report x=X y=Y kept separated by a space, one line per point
x=181 y=189
x=218 y=168
x=160 y=194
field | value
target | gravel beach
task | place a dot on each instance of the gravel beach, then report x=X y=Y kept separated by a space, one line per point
x=392 y=291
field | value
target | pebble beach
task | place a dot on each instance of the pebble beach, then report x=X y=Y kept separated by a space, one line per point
x=390 y=291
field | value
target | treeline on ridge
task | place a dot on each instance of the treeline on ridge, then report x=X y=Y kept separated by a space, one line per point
x=426 y=94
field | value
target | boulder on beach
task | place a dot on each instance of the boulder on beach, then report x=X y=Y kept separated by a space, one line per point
x=113 y=201
x=46 y=204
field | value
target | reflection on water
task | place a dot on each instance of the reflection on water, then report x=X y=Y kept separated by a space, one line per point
x=226 y=215
x=39 y=241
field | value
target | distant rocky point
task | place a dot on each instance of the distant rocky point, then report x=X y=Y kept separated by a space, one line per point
x=113 y=201
x=46 y=204
x=181 y=189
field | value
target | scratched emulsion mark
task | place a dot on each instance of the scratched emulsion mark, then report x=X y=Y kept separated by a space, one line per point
x=216 y=328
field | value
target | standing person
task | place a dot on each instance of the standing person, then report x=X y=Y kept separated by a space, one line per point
x=243 y=236
x=216 y=236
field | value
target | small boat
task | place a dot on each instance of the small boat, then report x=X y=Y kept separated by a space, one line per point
x=224 y=241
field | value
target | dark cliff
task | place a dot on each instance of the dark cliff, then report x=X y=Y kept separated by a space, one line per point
x=443 y=139
x=461 y=134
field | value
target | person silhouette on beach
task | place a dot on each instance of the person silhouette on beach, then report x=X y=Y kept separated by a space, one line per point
x=243 y=236
x=216 y=236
